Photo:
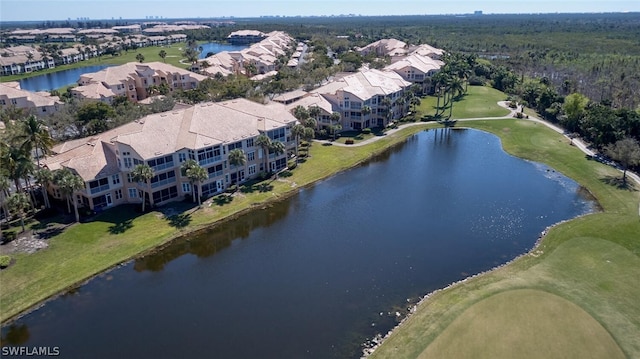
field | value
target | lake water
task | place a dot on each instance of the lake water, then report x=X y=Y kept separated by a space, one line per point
x=315 y=275
x=216 y=47
x=56 y=80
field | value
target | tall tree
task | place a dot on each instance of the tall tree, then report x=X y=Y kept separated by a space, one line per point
x=197 y=174
x=144 y=173
x=297 y=131
x=35 y=136
x=237 y=158
x=186 y=166
x=70 y=184
x=277 y=148
x=19 y=204
x=140 y=58
x=44 y=177
x=335 y=123
x=163 y=55
x=626 y=152
x=265 y=143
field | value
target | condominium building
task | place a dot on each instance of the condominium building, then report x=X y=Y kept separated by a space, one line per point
x=365 y=99
x=134 y=80
x=205 y=132
x=38 y=103
x=417 y=69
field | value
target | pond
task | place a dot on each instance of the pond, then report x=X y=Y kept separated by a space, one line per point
x=215 y=47
x=317 y=274
x=56 y=80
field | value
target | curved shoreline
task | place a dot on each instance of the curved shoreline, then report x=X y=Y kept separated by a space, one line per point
x=371 y=345
x=394 y=140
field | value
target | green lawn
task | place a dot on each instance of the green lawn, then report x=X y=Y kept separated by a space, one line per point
x=551 y=327
x=480 y=101
x=592 y=262
x=174 y=55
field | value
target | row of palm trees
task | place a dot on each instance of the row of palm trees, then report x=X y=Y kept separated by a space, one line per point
x=452 y=80
x=24 y=141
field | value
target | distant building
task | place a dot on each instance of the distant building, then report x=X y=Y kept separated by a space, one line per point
x=242 y=37
x=38 y=103
x=134 y=81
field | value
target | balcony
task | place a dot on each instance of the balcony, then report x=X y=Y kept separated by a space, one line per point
x=163 y=182
x=99 y=189
x=210 y=160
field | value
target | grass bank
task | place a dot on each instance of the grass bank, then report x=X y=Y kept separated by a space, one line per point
x=150 y=53
x=592 y=262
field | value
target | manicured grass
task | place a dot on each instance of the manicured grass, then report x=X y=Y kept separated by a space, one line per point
x=174 y=55
x=531 y=329
x=480 y=101
x=592 y=261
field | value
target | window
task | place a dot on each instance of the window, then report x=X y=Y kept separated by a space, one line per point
x=215 y=171
x=118 y=194
x=209 y=155
x=251 y=156
x=99 y=185
x=182 y=157
x=161 y=163
x=127 y=162
x=186 y=187
x=251 y=170
x=165 y=194
x=115 y=179
x=250 y=142
x=163 y=178
x=133 y=193
x=233 y=146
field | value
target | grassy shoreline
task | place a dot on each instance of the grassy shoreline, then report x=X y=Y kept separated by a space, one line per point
x=590 y=261
x=117 y=236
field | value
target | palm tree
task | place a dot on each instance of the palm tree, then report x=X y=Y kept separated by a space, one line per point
x=143 y=173
x=16 y=162
x=35 y=135
x=197 y=174
x=162 y=55
x=265 y=142
x=5 y=185
x=366 y=111
x=186 y=166
x=298 y=132
x=277 y=148
x=71 y=184
x=19 y=203
x=44 y=177
x=236 y=159
x=335 y=117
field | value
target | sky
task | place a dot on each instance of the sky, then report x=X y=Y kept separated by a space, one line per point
x=32 y=10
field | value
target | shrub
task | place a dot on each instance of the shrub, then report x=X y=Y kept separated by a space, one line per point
x=349 y=141
x=292 y=164
x=366 y=131
x=5 y=261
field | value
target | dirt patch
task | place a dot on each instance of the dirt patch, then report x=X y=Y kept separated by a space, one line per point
x=27 y=242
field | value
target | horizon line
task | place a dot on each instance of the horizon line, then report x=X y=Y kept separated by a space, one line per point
x=479 y=14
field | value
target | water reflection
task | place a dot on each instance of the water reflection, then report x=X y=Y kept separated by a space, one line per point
x=16 y=334
x=211 y=241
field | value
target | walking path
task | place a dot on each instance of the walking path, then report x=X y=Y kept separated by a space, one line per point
x=577 y=142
